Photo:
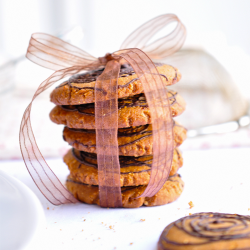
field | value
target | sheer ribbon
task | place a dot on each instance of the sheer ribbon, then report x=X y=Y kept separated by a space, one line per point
x=67 y=60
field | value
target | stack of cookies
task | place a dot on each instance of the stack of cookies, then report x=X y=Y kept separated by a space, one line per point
x=75 y=109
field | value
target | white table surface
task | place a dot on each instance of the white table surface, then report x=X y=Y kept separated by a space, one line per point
x=215 y=180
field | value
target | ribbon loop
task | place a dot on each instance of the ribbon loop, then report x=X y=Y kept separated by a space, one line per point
x=53 y=53
x=162 y=47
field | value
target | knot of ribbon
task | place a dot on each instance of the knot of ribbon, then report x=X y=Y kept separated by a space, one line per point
x=68 y=60
x=108 y=57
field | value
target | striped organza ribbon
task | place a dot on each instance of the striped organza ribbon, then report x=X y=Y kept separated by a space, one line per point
x=67 y=60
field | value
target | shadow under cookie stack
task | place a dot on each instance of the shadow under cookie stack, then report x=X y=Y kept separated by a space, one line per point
x=75 y=109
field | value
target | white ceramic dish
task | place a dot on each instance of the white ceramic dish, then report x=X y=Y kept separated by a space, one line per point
x=21 y=214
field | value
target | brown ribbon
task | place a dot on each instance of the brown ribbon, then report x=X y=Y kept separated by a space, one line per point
x=67 y=60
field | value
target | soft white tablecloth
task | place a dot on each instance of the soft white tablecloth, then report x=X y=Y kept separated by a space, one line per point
x=215 y=180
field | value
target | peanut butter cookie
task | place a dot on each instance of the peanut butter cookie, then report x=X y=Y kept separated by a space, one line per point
x=79 y=89
x=170 y=191
x=132 y=141
x=132 y=111
x=134 y=170
x=203 y=231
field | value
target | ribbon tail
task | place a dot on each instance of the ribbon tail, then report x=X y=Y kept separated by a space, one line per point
x=41 y=173
x=161 y=117
x=106 y=121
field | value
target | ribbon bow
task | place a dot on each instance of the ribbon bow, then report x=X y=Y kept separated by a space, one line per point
x=67 y=60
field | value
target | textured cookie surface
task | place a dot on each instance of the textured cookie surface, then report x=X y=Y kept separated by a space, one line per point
x=80 y=88
x=132 y=141
x=203 y=231
x=132 y=111
x=134 y=170
x=171 y=190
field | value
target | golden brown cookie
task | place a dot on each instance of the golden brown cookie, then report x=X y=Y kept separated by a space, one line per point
x=207 y=231
x=171 y=190
x=132 y=111
x=132 y=141
x=79 y=89
x=134 y=170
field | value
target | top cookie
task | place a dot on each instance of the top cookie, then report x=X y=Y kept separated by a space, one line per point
x=79 y=89
x=203 y=231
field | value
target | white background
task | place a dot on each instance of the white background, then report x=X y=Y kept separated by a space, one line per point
x=107 y=23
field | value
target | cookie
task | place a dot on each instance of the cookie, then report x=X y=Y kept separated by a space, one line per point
x=170 y=191
x=132 y=111
x=79 y=89
x=204 y=231
x=134 y=170
x=132 y=141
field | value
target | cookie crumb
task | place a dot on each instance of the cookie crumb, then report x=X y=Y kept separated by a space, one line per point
x=178 y=208
x=191 y=204
x=47 y=208
x=99 y=238
x=84 y=220
x=82 y=230
x=142 y=219
x=190 y=213
x=102 y=222
x=131 y=243
x=55 y=222
x=110 y=227
x=248 y=209
x=60 y=229
x=159 y=218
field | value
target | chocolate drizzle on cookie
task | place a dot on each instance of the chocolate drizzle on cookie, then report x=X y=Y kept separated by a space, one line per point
x=90 y=159
x=124 y=188
x=210 y=227
x=125 y=71
x=122 y=132
x=131 y=101
x=143 y=131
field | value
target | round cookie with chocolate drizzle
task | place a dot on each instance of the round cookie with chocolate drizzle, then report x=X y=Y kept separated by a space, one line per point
x=132 y=111
x=134 y=171
x=203 y=231
x=170 y=191
x=132 y=141
x=79 y=89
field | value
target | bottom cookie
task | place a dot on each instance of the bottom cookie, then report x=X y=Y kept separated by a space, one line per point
x=170 y=191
